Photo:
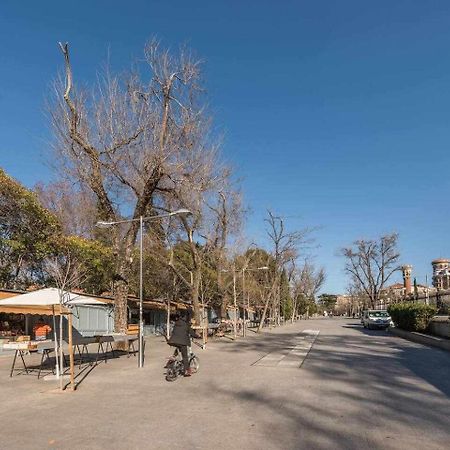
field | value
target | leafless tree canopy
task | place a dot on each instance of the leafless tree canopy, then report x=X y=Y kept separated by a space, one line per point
x=308 y=280
x=141 y=142
x=371 y=263
x=75 y=208
x=125 y=138
x=286 y=248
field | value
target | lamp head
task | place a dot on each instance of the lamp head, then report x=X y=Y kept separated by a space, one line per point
x=181 y=212
x=102 y=224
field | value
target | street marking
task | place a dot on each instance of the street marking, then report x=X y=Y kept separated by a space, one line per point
x=293 y=354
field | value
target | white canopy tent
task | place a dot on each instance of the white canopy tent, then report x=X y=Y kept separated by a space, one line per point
x=43 y=302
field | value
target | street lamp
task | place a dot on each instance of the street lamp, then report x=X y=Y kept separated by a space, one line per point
x=248 y=298
x=141 y=219
x=234 y=301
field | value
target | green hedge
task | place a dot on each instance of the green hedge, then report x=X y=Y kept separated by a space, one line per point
x=411 y=316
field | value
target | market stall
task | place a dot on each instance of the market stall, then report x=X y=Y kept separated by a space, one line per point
x=50 y=302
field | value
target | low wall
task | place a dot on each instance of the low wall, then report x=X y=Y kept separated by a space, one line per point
x=420 y=338
x=440 y=326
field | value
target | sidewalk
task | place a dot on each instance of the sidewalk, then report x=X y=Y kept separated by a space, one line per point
x=233 y=402
x=121 y=406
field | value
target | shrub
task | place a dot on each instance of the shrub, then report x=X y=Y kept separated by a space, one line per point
x=411 y=316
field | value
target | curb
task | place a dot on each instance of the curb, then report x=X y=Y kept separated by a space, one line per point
x=423 y=339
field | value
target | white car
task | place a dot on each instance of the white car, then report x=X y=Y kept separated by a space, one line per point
x=375 y=318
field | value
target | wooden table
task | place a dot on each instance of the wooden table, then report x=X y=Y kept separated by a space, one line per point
x=23 y=348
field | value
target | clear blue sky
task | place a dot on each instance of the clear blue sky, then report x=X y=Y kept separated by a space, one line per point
x=335 y=113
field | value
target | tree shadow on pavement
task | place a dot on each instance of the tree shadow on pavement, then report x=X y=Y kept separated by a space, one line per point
x=287 y=424
x=385 y=380
x=429 y=363
x=365 y=381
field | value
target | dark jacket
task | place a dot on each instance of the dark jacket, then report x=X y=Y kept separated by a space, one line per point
x=180 y=333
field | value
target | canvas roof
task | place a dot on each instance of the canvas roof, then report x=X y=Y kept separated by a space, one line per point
x=42 y=301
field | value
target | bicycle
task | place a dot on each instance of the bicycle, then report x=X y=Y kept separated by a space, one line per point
x=175 y=366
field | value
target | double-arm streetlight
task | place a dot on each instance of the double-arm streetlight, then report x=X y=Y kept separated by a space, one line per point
x=243 y=270
x=141 y=221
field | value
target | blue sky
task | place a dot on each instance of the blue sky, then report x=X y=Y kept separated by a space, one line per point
x=335 y=114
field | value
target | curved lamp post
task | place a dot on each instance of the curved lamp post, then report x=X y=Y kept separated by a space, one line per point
x=141 y=219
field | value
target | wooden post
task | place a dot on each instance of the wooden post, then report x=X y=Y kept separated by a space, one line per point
x=72 y=369
x=55 y=338
x=61 y=356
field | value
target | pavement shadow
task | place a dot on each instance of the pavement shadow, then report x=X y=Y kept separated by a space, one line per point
x=84 y=364
x=365 y=370
x=429 y=363
x=290 y=420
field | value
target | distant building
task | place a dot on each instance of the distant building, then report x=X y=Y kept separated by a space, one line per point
x=393 y=292
x=343 y=303
x=406 y=272
x=441 y=273
x=397 y=291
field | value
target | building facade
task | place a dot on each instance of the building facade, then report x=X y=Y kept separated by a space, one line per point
x=441 y=273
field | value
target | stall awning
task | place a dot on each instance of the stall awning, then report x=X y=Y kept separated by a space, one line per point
x=34 y=310
x=44 y=302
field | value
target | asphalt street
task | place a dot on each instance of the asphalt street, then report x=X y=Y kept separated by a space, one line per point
x=316 y=384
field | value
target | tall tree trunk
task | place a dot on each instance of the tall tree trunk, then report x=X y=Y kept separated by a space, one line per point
x=264 y=314
x=123 y=251
x=294 y=310
x=223 y=294
x=121 y=303
x=195 y=295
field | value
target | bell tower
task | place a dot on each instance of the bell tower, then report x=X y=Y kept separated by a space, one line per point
x=406 y=271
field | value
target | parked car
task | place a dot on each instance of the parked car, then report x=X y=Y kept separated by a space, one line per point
x=375 y=318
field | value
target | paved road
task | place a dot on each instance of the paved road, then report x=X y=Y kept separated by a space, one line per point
x=317 y=384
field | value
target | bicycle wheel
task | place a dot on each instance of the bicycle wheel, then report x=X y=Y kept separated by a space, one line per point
x=194 y=364
x=171 y=373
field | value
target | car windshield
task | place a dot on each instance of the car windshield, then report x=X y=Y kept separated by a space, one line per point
x=378 y=314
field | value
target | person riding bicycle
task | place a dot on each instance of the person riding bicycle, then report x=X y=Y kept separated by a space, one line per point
x=181 y=339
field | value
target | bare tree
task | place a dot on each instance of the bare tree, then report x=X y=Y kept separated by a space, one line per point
x=371 y=263
x=357 y=298
x=310 y=279
x=67 y=272
x=286 y=248
x=195 y=186
x=307 y=282
x=126 y=139
x=226 y=215
x=180 y=194
x=75 y=207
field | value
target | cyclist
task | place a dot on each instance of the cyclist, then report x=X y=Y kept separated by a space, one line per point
x=180 y=338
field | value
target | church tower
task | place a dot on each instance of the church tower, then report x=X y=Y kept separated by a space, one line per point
x=406 y=271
